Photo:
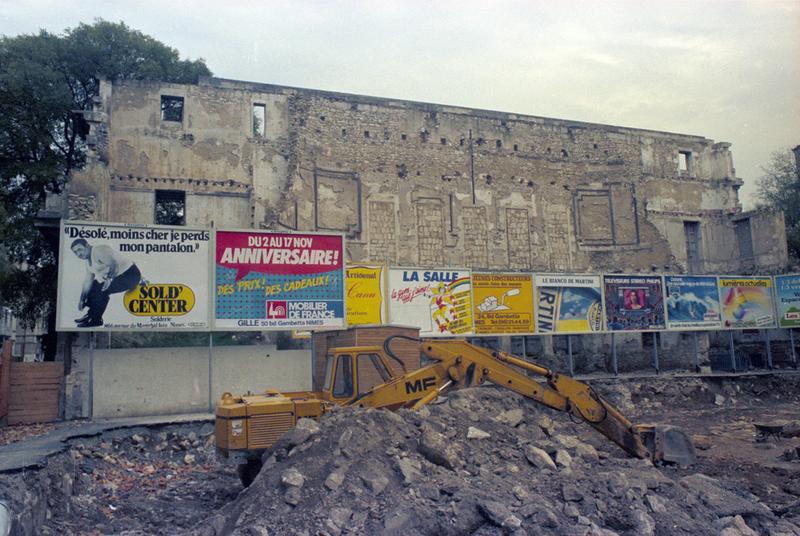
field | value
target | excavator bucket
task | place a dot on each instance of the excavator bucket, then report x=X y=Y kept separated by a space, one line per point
x=668 y=444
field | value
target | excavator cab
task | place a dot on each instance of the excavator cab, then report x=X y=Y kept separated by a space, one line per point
x=350 y=373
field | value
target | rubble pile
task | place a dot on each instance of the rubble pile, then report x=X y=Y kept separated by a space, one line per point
x=143 y=481
x=482 y=461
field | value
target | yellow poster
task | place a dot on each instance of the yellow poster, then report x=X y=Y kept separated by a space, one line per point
x=365 y=303
x=502 y=303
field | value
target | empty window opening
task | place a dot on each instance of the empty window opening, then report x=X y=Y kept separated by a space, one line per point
x=403 y=137
x=423 y=136
x=516 y=147
x=498 y=144
x=443 y=141
x=691 y=230
x=564 y=153
x=170 y=207
x=322 y=118
x=594 y=146
x=385 y=134
x=744 y=237
x=461 y=142
x=480 y=141
x=488 y=179
x=259 y=120
x=344 y=132
x=171 y=108
x=685 y=162
x=366 y=133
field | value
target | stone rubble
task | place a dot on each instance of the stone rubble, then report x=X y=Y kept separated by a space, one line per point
x=485 y=461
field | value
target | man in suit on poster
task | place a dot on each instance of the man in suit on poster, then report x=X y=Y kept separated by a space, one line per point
x=107 y=272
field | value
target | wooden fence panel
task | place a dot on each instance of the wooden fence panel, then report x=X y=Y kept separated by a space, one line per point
x=35 y=392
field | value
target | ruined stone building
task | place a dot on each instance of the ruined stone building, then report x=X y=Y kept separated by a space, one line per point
x=418 y=184
x=426 y=185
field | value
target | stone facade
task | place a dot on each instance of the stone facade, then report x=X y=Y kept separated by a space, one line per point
x=416 y=184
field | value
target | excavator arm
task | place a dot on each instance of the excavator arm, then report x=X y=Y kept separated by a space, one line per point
x=458 y=364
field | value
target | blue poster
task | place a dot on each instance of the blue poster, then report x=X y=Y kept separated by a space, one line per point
x=787 y=290
x=692 y=302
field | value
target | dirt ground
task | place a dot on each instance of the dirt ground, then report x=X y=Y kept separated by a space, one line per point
x=169 y=481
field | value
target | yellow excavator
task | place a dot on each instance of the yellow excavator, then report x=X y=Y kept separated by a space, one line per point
x=361 y=376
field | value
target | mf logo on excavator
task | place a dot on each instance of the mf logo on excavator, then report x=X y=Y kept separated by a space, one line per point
x=422 y=384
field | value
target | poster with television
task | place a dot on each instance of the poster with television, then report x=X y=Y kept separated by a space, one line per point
x=502 y=304
x=787 y=295
x=634 y=303
x=122 y=277
x=568 y=303
x=268 y=281
x=746 y=302
x=692 y=302
x=438 y=302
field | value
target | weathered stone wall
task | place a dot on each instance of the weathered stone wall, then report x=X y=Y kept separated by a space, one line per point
x=421 y=184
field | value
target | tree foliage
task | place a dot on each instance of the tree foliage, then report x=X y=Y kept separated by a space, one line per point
x=44 y=79
x=779 y=187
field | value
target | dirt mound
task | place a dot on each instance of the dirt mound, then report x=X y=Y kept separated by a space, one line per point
x=483 y=461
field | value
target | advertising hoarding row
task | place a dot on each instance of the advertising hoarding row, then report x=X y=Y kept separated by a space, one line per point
x=117 y=277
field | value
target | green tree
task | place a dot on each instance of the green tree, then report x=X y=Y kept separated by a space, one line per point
x=779 y=187
x=44 y=79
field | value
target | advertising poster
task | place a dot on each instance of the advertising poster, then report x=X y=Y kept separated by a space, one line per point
x=787 y=291
x=692 y=302
x=116 y=277
x=634 y=303
x=267 y=280
x=438 y=302
x=746 y=302
x=365 y=299
x=502 y=303
x=568 y=304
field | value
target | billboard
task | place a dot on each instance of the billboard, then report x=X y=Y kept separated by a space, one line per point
x=692 y=302
x=746 y=302
x=568 y=304
x=502 y=304
x=117 y=277
x=787 y=295
x=267 y=280
x=366 y=303
x=436 y=301
x=634 y=303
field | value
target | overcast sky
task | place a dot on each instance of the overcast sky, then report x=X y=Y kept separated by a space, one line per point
x=729 y=71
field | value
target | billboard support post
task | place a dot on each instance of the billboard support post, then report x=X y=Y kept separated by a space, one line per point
x=655 y=353
x=769 y=350
x=614 y=355
x=210 y=369
x=569 y=350
x=732 y=350
x=696 y=353
x=791 y=343
x=91 y=375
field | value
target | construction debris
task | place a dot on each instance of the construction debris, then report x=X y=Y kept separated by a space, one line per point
x=473 y=465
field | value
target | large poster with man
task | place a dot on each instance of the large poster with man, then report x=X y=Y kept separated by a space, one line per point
x=436 y=301
x=746 y=302
x=117 y=277
x=568 y=304
x=634 y=303
x=787 y=293
x=267 y=280
x=502 y=303
x=692 y=302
